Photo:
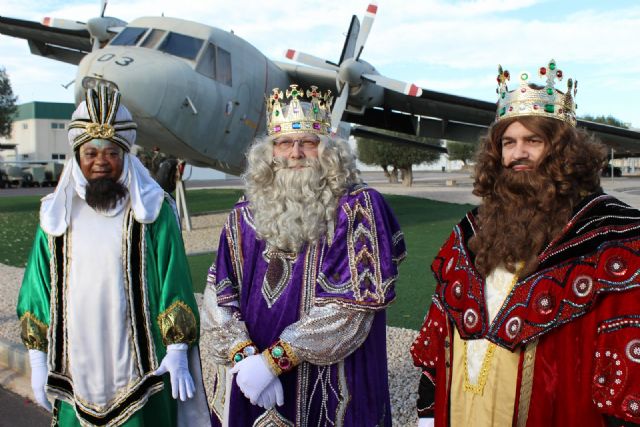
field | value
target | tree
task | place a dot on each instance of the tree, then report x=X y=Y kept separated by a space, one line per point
x=607 y=120
x=7 y=104
x=400 y=157
x=461 y=151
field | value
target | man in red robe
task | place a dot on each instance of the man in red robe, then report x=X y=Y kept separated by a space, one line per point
x=535 y=320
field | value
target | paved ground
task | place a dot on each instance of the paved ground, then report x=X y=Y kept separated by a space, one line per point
x=16 y=411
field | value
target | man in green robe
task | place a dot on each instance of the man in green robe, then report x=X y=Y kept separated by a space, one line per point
x=106 y=304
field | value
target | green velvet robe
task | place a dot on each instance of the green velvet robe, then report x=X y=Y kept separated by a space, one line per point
x=163 y=311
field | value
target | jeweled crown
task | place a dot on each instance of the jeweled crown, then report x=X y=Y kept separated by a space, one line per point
x=299 y=111
x=531 y=99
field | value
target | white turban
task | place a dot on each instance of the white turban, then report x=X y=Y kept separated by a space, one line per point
x=145 y=194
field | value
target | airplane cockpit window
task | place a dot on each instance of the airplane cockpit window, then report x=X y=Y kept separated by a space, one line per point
x=180 y=45
x=207 y=63
x=215 y=63
x=223 y=67
x=153 y=38
x=130 y=36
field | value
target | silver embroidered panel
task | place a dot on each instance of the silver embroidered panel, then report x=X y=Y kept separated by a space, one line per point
x=225 y=325
x=328 y=334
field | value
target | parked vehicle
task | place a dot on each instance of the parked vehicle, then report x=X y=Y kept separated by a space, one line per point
x=617 y=172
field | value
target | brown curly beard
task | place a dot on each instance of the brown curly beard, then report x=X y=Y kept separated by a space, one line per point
x=524 y=211
x=519 y=221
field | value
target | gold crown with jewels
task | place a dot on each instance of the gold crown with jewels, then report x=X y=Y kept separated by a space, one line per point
x=531 y=99
x=299 y=111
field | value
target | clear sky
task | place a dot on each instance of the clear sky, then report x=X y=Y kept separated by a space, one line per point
x=449 y=46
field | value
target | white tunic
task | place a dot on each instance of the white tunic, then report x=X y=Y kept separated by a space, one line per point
x=101 y=356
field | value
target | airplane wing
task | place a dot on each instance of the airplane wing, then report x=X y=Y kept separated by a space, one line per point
x=444 y=116
x=56 y=43
x=440 y=115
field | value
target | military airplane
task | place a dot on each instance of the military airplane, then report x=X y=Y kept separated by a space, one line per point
x=197 y=92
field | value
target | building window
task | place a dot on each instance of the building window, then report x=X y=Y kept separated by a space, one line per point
x=25 y=126
x=25 y=156
x=54 y=126
x=57 y=156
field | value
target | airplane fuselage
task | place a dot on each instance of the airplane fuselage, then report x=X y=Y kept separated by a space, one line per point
x=195 y=91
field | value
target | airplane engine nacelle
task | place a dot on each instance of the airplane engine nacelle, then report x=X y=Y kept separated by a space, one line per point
x=362 y=92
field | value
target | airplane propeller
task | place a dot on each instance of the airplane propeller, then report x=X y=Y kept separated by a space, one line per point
x=351 y=71
x=101 y=28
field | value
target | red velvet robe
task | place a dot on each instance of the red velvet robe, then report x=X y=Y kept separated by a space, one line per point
x=576 y=320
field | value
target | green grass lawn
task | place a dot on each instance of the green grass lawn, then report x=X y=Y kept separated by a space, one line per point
x=218 y=199
x=426 y=224
x=18 y=221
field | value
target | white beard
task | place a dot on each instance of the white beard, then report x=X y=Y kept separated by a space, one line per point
x=298 y=207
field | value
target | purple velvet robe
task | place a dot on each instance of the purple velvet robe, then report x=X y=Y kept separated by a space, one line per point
x=356 y=270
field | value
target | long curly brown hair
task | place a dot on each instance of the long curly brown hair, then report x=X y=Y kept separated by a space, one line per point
x=521 y=212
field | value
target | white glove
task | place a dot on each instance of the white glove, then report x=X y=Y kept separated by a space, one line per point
x=39 y=373
x=425 y=422
x=272 y=395
x=175 y=362
x=253 y=376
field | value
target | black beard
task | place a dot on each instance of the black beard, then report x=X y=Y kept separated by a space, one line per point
x=103 y=194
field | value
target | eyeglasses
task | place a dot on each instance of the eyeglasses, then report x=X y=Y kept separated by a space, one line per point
x=286 y=144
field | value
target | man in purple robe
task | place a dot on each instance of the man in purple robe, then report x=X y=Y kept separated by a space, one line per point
x=305 y=269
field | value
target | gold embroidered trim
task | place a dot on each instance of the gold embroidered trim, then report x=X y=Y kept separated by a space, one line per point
x=272 y=418
x=281 y=357
x=484 y=370
x=526 y=384
x=33 y=332
x=177 y=324
x=488 y=355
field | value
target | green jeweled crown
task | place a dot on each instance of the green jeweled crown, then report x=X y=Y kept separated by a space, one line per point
x=299 y=111
x=531 y=99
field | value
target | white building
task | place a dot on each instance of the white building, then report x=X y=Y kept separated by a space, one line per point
x=39 y=132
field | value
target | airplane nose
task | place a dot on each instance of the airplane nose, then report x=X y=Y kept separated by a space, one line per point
x=142 y=76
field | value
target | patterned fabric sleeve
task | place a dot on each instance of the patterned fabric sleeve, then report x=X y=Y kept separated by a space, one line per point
x=33 y=300
x=616 y=369
x=178 y=319
x=360 y=266
x=426 y=350
x=221 y=313
x=328 y=334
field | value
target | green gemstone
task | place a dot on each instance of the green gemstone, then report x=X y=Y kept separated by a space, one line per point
x=277 y=113
x=552 y=66
x=315 y=110
x=277 y=351
x=549 y=91
x=524 y=76
x=549 y=108
x=503 y=94
x=294 y=93
x=238 y=357
x=503 y=110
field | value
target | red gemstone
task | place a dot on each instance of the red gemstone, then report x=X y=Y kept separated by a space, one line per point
x=543 y=71
x=506 y=74
x=498 y=79
x=536 y=106
x=523 y=90
x=284 y=363
x=510 y=108
x=559 y=74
